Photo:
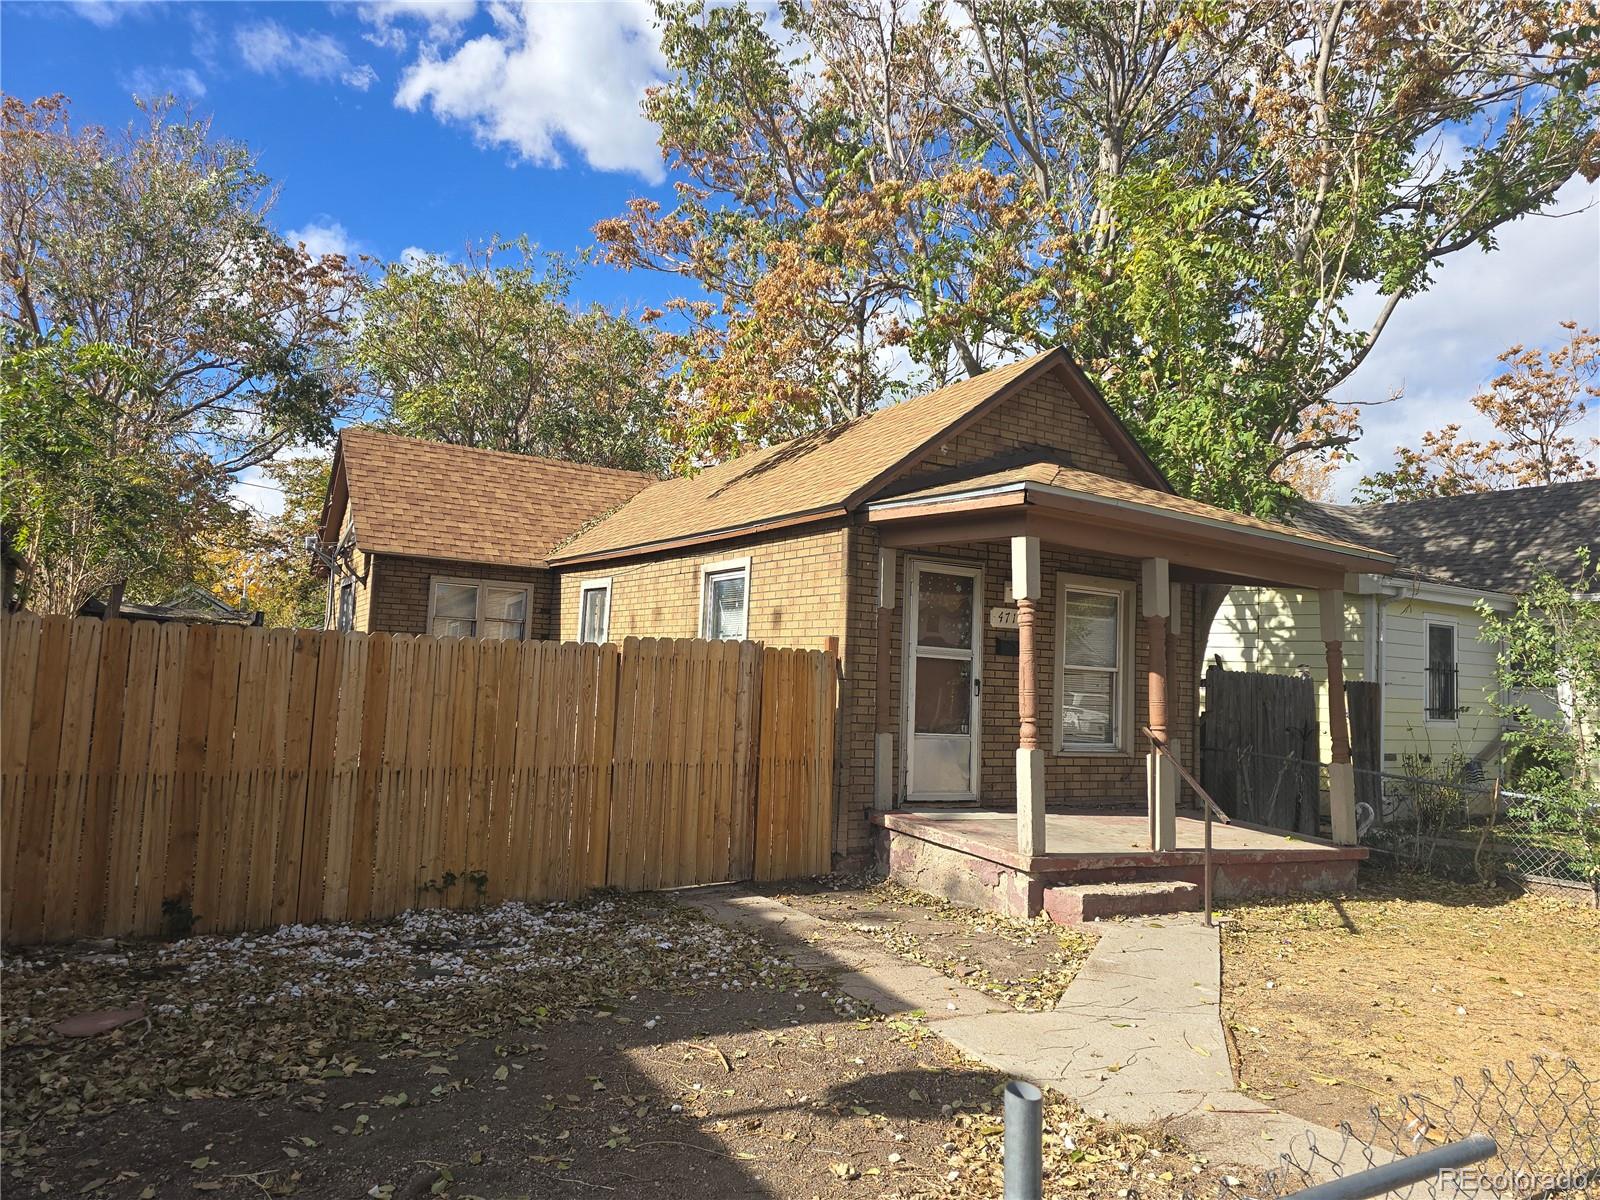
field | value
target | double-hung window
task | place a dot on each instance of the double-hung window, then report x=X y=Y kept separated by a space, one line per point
x=469 y=608
x=1443 y=680
x=594 y=611
x=725 y=601
x=1092 y=664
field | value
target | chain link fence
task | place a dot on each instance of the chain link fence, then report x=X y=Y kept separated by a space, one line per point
x=1456 y=821
x=1470 y=827
x=1543 y=1115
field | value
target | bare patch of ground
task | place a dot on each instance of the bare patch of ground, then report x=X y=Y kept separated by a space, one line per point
x=620 y=1046
x=1027 y=964
x=1337 y=1003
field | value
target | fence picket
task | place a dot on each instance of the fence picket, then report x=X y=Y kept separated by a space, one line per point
x=267 y=776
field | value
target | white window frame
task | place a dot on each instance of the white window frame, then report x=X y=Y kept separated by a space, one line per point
x=477 y=621
x=725 y=567
x=1428 y=623
x=596 y=585
x=1126 y=593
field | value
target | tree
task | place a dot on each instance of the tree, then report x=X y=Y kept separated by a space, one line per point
x=1536 y=407
x=83 y=505
x=493 y=354
x=147 y=303
x=267 y=567
x=1548 y=670
x=1184 y=195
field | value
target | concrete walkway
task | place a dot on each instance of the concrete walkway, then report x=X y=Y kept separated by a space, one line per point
x=1136 y=1039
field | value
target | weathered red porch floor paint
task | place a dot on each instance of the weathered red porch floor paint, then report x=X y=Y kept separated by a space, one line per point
x=970 y=856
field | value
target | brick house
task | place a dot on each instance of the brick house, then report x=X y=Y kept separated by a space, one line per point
x=431 y=538
x=1009 y=579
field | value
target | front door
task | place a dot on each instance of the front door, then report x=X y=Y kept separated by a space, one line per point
x=944 y=670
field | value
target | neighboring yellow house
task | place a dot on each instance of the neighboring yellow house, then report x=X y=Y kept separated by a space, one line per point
x=1417 y=631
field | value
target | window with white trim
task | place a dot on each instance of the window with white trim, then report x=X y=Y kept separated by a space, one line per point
x=1093 y=653
x=594 y=611
x=725 y=601
x=478 y=608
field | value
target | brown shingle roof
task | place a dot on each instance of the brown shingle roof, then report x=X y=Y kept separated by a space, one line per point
x=1118 y=491
x=431 y=500
x=825 y=473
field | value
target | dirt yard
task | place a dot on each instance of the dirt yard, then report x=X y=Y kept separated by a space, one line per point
x=1335 y=1004
x=1027 y=964
x=621 y=1046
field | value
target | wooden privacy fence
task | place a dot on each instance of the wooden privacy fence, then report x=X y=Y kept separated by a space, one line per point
x=251 y=777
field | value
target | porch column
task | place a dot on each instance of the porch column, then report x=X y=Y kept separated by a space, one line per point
x=883 y=747
x=1341 y=773
x=1161 y=779
x=1026 y=587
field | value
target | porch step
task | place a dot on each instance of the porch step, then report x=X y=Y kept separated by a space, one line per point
x=1073 y=904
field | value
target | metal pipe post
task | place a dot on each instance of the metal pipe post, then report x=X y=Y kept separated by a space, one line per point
x=1024 y=1152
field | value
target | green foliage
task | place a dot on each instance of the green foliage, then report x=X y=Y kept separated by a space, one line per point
x=494 y=355
x=83 y=503
x=160 y=338
x=1548 y=670
x=1188 y=197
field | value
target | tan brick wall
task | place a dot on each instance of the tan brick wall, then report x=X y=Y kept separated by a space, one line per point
x=796 y=590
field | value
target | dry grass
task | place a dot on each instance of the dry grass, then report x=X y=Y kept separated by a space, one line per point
x=1339 y=1003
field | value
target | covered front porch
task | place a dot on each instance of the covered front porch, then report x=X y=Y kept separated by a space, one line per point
x=970 y=856
x=1035 y=616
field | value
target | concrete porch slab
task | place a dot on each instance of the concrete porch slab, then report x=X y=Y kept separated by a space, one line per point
x=970 y=856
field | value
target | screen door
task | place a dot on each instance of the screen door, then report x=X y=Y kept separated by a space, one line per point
x=945 y=673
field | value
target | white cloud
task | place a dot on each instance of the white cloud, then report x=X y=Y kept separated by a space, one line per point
x=105 y=13
x=1440 y=347
x=158 y=81
x=270 y=49
x=442 y=20
x=324 y=236
x=551 y=78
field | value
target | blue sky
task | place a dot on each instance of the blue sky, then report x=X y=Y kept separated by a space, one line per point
x=401 y=124
x=313 y=87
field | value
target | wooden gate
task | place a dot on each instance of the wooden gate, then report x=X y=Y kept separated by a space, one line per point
x=153 y=774
x=1364 y=702
x=1259 y=747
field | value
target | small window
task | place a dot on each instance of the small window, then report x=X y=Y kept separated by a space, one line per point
x=1443 y=674
x=594 y=611
x=725 y=601
x=1092 y=664
x=487 y=610
x=345 y=620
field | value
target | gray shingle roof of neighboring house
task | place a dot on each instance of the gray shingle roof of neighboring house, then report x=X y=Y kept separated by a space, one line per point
x=1490 y=541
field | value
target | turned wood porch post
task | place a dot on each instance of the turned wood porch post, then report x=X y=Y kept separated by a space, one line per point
x=1160 y=777
x=1026 y=588
x=883 y=788
x=1341 y=772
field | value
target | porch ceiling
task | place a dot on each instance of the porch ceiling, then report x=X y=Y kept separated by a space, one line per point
x=1083 y=511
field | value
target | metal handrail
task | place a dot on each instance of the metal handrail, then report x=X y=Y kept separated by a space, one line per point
x=1208 y=807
